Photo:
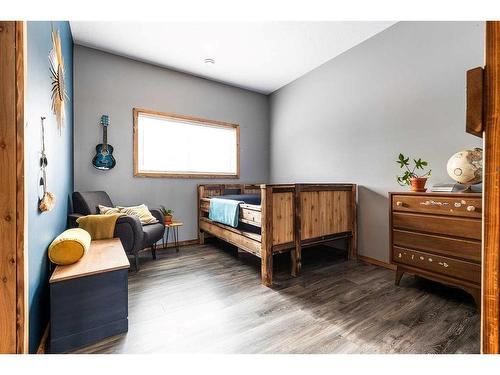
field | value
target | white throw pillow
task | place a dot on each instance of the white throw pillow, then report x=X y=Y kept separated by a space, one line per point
x=141 y=211
x=104 y=210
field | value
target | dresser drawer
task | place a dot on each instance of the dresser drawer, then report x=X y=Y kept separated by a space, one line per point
x=460 y=206
x=444 y=225
x=447 y=246
x=443 y=265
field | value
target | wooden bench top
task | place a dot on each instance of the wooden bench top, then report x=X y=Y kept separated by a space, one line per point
x=102 y=256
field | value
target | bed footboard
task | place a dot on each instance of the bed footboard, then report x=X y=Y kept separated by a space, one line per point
x=290 y=217
x=301 y=215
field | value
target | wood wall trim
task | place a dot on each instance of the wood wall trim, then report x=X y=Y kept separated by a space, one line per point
x=22 y=275
x=174 y=116
x=181 y=243
x=8 y=175
x=13 y=325
x=491 y=257
x=376 y=262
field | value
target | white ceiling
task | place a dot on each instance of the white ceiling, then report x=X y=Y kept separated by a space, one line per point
x=260 y=56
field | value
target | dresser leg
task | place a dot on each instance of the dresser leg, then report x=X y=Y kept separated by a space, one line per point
x=399 y=275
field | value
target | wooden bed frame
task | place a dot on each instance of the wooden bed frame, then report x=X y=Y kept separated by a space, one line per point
x=291 y=216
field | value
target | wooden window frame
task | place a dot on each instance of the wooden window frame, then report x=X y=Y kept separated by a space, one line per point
x=173 y=116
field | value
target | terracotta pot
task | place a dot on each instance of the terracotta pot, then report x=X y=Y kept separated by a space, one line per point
x=167 y=219
x=418 y=184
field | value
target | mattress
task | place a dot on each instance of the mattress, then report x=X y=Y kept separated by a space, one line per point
x=247 y=198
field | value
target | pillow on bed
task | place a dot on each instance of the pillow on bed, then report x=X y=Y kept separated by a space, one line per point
x=141 y=211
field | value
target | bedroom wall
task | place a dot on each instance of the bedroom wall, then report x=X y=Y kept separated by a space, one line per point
x=402 y=90
x=44 y=227
x=109 y=84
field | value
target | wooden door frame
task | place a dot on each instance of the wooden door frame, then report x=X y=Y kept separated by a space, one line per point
x=490 y=343
x=13 y=222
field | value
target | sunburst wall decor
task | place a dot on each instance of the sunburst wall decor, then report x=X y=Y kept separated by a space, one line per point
x=59 y=95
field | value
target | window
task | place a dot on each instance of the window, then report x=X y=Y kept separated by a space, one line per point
x=168 y=145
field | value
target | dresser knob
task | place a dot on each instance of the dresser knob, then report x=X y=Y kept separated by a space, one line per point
x=471 y=208
x=399 y=203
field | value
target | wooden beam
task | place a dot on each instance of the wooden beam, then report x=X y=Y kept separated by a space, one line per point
x=245 y=240
x=491 y=251
x=22 y=274
x=267 y=236
x=353 y=242
x=326 y=187
x=201 y=195
x=296 y=253
x=8 y=190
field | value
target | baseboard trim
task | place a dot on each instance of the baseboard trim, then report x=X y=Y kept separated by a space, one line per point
x=43 y=342
x=181 y=244
x=376 y=262
x=362 y=258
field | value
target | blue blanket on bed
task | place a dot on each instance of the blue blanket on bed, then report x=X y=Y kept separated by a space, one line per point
x=225 y=211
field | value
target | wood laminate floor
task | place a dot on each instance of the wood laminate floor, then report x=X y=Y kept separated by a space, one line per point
x=206 y=300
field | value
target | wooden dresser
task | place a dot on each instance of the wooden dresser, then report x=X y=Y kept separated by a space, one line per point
x=438 y=236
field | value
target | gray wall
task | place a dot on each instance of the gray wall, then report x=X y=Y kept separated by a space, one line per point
x=109 y=84
x=402 y=90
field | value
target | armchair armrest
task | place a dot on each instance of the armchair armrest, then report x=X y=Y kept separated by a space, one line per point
x=158 y=215
x=72 y=220
x=129 y=230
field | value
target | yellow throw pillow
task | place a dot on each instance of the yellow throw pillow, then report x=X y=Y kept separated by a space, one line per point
x=141 y=211
x=69 y=247
x=100 y=227
x=104 y=210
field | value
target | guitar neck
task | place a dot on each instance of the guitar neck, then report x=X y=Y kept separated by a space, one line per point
x=105 y=136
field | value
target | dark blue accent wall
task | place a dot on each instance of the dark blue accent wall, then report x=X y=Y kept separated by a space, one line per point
x=44 y=227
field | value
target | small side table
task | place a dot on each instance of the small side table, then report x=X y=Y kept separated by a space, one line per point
x=174 y=226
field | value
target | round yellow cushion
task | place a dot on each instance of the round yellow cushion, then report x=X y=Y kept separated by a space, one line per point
x=69 y=246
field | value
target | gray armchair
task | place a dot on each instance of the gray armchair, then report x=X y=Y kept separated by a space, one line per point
x=133 y=235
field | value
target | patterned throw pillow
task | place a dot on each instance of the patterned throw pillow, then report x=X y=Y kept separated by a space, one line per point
x=104 y=210
x=141 y=211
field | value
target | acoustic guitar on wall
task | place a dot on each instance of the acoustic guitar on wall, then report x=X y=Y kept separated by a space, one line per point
x=104 y=159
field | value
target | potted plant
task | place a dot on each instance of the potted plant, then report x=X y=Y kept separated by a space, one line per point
x=167 y=214
x=410 y=176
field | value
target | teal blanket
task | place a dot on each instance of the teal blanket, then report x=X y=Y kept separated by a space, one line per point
x=225 y=211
